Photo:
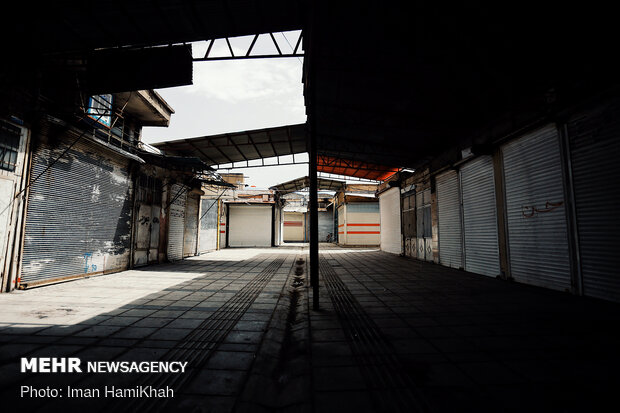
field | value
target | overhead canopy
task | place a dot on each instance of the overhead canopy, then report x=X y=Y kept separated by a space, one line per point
x=265 y=143
x=304 y=182
x=72 y=25
x=357 y=169
x=382 y=85
x=241 y=146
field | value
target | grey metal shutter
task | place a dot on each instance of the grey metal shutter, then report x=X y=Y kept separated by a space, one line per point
x=326 y=226
x=389 y=204
x=79 y=213
x=250 y=225
x=595 y=153
x=479 y=217
x=536 y=210
x=449 y=215
x=208 y=225
x=176 y=221
x=190 y=237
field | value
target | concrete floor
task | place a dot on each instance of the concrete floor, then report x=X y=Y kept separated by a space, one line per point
x=393 y=334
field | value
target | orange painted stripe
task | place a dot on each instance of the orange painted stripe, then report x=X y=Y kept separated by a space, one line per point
x=363 y=232
x=341 y=232
x=363 y=225
x=341 y=225
x=293 y=224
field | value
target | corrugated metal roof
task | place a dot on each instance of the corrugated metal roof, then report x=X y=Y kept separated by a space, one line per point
x=241 y=146
x=304 y=182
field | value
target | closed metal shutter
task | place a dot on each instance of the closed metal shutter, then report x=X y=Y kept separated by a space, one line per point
x=449 y=215
x=326 y=226
x=363 y=224
x=176 y=221
x=249 y=225
x=208 y=225
x=342 y=235
x=595 y=153
x=389 y=206
x=190 y=238
x=294 y=226
x=79 y=213
x=479 y=217
x=536 y=211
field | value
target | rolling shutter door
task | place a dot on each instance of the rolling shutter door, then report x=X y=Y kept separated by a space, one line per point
x=208 y=225
x=342 y=236
x=389 y=206
x=479 y=217
x=293 y=227
x=326 y=226
x=176 y=226
x=249 y=225
x=190 y=236
x=449 y=214
x=535 y=210
x=79 y=213
x=595 y=151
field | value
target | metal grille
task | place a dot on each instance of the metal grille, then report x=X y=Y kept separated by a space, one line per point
x=449 y=215
x=535 y=210
x=9 y=146
x=479 y=217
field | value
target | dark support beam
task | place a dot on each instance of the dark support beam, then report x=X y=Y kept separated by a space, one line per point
x=314 y=221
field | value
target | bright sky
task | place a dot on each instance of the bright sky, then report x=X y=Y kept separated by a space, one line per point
x=231 y=96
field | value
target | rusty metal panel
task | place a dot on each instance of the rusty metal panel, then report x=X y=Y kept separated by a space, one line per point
x=79 y=212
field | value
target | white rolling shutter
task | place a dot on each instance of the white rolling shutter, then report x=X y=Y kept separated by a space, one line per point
x=176 y=221
x=190 y=238
x=536 y=210
x=449 y=215
x=389 y=205
x=249 y=225
x=479 y=217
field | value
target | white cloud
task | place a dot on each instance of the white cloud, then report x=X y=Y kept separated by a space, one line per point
x=249 y=80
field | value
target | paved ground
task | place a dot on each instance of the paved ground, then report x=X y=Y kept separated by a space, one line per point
x=393 y=334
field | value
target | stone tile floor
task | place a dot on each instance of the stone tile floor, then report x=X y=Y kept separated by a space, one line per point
x=392 y=334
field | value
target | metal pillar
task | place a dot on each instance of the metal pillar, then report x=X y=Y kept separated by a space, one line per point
x=314 y=221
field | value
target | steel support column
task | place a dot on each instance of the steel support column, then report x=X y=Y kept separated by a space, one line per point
x=314 y=221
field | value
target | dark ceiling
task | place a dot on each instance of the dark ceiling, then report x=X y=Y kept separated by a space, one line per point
x=390 y=83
